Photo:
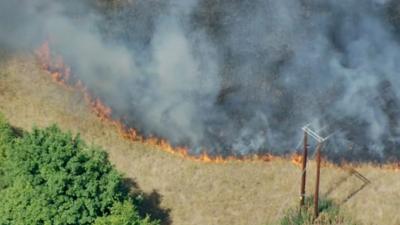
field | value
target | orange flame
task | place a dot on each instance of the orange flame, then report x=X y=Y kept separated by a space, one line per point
x=61 y=74
x=297 y=160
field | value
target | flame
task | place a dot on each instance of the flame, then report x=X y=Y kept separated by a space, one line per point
x=392 y=166
x=61 y=74
x=297 y=160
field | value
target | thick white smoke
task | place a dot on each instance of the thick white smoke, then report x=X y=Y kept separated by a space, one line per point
x=234 y=77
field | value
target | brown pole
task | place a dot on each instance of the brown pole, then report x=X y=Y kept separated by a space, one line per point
x=303 y=172
x=316 y=194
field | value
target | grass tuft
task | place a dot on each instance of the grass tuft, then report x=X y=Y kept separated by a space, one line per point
x=329 y=214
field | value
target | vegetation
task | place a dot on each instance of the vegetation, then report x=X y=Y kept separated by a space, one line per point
x=51 y=177
x=329 y=214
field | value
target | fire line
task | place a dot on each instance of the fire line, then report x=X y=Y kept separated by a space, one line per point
x=61 y=74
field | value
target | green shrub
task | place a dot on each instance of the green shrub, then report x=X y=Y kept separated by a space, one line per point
x=123 y=213
x=6 y=133
x=51 y=177
x=329 y=214
x=6 y=137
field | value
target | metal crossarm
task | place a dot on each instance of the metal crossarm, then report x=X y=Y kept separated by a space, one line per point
x=314 y=134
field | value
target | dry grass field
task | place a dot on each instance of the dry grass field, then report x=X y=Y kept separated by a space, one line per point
x=194 y=193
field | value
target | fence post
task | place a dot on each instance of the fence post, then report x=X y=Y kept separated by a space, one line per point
x=316 y=194
x=303 y=171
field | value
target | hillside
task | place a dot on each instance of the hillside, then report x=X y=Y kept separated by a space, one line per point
x=195 y=193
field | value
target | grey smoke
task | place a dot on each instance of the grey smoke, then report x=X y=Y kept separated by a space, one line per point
x=231 y=77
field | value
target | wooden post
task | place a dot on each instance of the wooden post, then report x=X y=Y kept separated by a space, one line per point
x=303 y=171
x=316 y=194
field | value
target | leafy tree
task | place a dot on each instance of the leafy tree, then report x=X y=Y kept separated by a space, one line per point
x=51 y=177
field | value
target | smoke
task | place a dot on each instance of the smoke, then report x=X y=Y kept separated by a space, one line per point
x=231 y=77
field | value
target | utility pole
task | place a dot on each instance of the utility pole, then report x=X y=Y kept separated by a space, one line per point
x=316 y=194
x=320 y=140
x=304 y=171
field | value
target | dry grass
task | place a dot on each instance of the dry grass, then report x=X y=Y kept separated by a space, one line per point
x=196 y=193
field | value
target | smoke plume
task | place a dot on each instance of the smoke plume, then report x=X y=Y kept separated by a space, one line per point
x=231 y=77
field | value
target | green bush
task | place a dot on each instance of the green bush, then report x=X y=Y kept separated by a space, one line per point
x=122 y=213
x=51 y=177
x=329 y=214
